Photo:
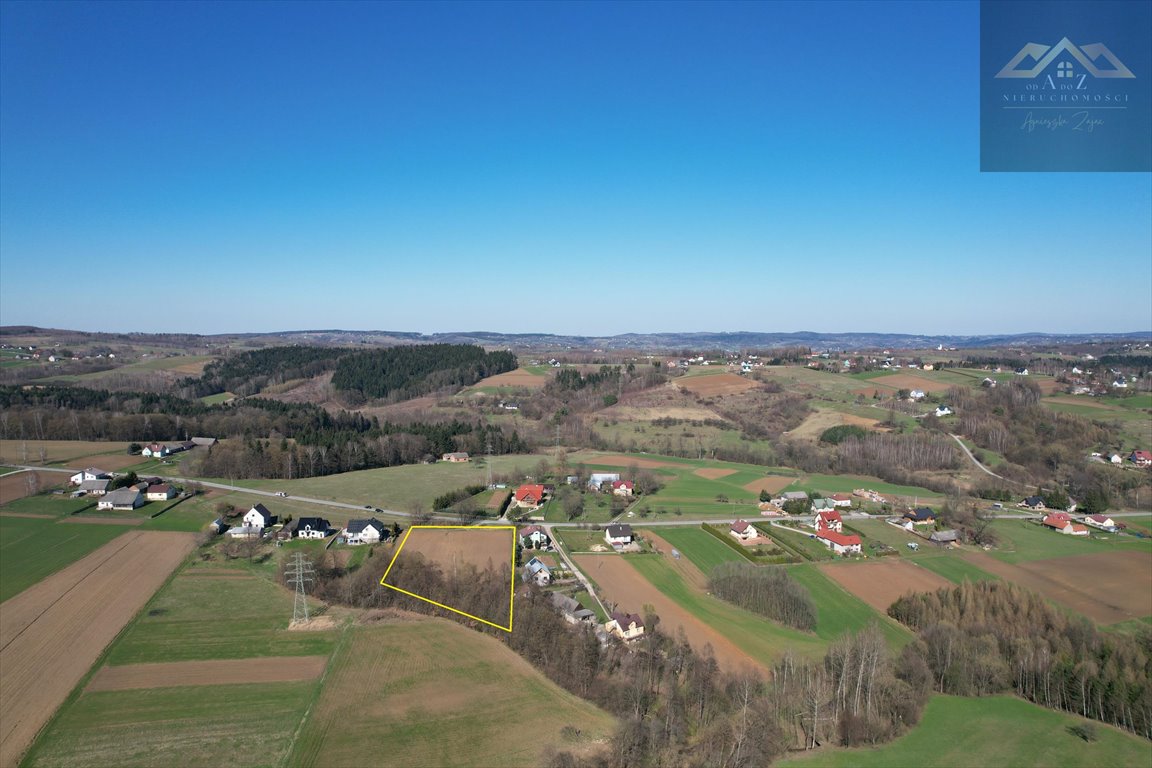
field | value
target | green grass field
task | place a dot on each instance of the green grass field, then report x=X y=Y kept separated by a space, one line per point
x=954 y=569
x=31 y=549
x=839 y=612
x=580 y=540
x=1022 y=541
x=758 y=637
x=990 y=731
x=802 y=541
x=700 y=547
x=234 y=725
x=432 y=693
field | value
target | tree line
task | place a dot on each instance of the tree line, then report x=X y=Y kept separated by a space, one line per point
x=990 y=636
x=769 y=592
x=247 y=373
x=401 y=373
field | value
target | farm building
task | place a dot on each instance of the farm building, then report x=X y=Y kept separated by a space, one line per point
x=456 y=457
x=160 y=492
x=530 y=496
x=95 y=487
x=828 y=520
x=622 y=487
x=599 y=478
x=571 y=610
x=1060 y=521
x=534 y=537
x=1101 y=521
x=839 y=543
x=370 y=531
x=207 y=442
x=125 y=499
x=312 y=528
x=944 y=538
x=626 y=626
x=618 y=535
x=743 y=531
x=841 y=500
x=155 y=450
x=245 y=532
x=259 y=517
x=537 y=571
x=89 y=474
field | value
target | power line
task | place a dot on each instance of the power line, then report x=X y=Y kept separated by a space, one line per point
x=300 y=573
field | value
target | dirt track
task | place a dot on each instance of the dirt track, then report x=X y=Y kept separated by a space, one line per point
x=51 y=633
x=284 y=669
x=624 y=585
x=881 y=583
x=1107 y=587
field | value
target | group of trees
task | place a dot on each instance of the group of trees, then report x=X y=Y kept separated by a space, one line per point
x=991 y=636
x=769 y=592
x=401 y=373
x=247 y=373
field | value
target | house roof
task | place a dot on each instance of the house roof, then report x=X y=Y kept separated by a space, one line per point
x=622 y=484
x=94 y=471
x=1062 y=517
x=617 y=531
x=1034 y=501
x=356 y=526
x=841 y=497
x=122 y=496
x=94 y=485
x=944 y=536
x=1142 y=455
x=1077 y=528
x=828 y=516
x=161 y=488
x=530 y=492
x=535 y=565
x=531 y=529
x=261 y=510
x=1099 y=518
x=821 y=504
x=624 y=619
x=315 y=523
x=740 y=526
x=843 y=539
x=564 y=602
x=793 y=495
x=921 y=513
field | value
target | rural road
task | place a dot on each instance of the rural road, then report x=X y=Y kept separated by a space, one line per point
x=559 y=549
x=975 y=461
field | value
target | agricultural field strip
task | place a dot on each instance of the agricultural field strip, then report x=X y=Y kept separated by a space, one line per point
x=280 y=669
x=46 y=652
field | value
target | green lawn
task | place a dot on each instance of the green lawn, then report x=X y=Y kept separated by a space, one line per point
x=960 y=732
x=954 y=569
x=700 y=547
x=848 y=483
x=586 y=601
x=50 y=504
x=757 y=636
x=839 y=612
x=580 y=540
x=31 y=549
x=802 y=540
x=1022 y=541
x=233 y=725
x=197 y=617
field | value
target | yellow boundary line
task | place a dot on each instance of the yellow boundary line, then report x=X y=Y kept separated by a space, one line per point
x=511 y=581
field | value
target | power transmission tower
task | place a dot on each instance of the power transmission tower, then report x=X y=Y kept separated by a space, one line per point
x=300 y=573
x=488 y=460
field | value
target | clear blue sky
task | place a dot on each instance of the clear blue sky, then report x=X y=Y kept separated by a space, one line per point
x=535 y=167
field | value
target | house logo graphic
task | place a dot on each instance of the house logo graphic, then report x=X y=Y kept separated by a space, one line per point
x=1045 y=55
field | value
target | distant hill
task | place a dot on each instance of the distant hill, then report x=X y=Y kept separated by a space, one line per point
x=728 y=340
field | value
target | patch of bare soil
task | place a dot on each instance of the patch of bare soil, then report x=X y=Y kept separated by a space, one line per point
x=284 y=669
x=517 y=378
x=86 y=520
x=714 y=474
x=912 y=381
x=15 y=485
x=882 y=583
x=772 y=484
x=108 y=462
x=52 y=632
x=716 y=384
x=814 y=426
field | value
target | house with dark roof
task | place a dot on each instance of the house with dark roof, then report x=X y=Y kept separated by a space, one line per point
x=122 y=499
x=944 y=538
x=626 y=626
x=534 y=537
x=743 y=530
x=538 y=571
x=160 y=492
x=155 y=450
x=920 y=516
x=312 y=528
x=95 y=487
x=571 y=610
x=370 y=531
x=618 y=535
x=1032 y=502
x=259 y=516
x=456 y=457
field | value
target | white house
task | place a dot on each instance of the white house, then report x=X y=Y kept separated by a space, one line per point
x=369 y=531
x=161 y=492
x=259 y=517
x=596 y=479
x=828 y=520
x=534 y=537
x=626 y=626
x=841 y=500
x=125 y=499
x=89 y=474
x=312 y=528
x=535 y=570
x=838 y=542
x=917 y=394
x=1100 y=521
x=743 y=531
x=618 y=535
x=943 y=410
x=155 y=450
x=622 y=487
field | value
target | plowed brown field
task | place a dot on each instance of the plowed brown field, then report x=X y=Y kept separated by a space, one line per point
x=714 y=474
x=14 y=485
x=281 y=669
x=51 y=633
x=517 y=378
x=912 y=381
x=620 y=582
x=881 y=584
x=716 y=384
x=85 y=520
x=1107 y=587
x=770 y=484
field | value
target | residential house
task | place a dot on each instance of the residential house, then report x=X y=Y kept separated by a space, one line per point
x=917 y=394
x=155 y=450
x=571 y=610
x=822 y=505
x=989 y=383
x=770 y=509
x=828 y=520
x=841 y=499
x=259 y=517
x=1115 y=459
x=534 y=537
x=794 y=495
x=1101 y=521
x=160 y=492
x=89 y=474
x=839 y=543
x=596 y=479
x=123 y=499
x=530 y=496
x=1060 y=521
x=1032 y=502
x=536 y=570
x=626 y=626
x=456 y=457
x=943 y=410
x=920 y=516
x=1021 y=371
x=618 y=535
x=1141 y=458
x=622 y=487
x=312 y=528
x=95 y=487
x=370 y=531
x=743 y=531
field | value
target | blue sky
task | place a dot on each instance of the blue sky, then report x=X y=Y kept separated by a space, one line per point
x=535 y=167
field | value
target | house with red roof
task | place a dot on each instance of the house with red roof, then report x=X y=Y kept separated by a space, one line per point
x=530 y=496
x=839 y=543
x=1141 y=458
x=743 y=531
x=828 y=520
x=623 y=487
x=841 y=499
x=1101 y=521
x=534 y=537
x=1062 y=521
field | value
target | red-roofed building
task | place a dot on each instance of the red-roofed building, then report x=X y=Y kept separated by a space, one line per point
x=838 y=542
x=828 y=520
x=743 y=531
x=1061 y=521
x=1100 y=521
x=623 y=487
x=1141 y=458
x=841 y=499
x=531 y=496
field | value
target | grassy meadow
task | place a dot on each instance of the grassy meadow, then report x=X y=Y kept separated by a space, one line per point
x=33 y=548
x=700 y=547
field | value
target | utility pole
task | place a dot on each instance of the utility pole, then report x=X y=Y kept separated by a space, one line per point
x=300 y=573
x=488 y=460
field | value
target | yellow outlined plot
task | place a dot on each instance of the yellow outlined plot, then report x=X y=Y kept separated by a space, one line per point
x=511 y=581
